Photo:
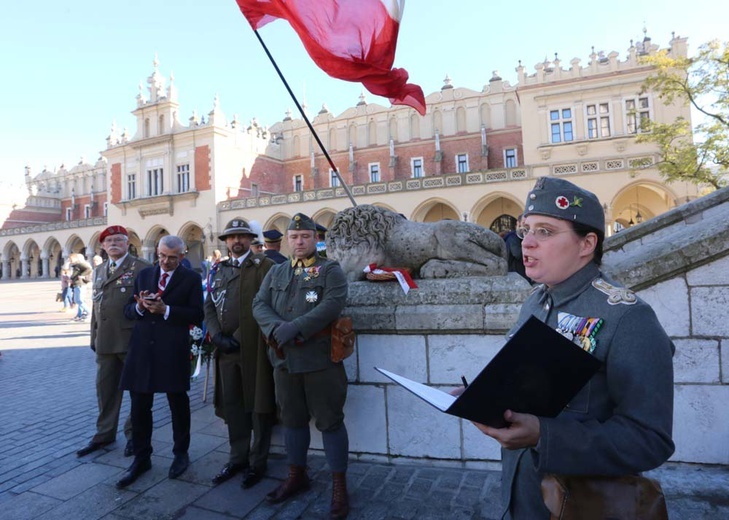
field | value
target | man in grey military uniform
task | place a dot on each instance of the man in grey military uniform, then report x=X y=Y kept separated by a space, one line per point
x=110 y=332
x=620 y=423
x=295 y=307
x=244 y=392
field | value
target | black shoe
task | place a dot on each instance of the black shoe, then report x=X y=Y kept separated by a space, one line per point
x=179 y=465
x=91 y=447
x=228 y=472
x=252 y=477
x=129 y=449
x=135 y=470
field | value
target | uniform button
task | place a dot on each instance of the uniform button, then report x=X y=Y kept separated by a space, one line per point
x=546 y=306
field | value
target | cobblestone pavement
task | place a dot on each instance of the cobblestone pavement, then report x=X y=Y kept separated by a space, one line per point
x=48 y=411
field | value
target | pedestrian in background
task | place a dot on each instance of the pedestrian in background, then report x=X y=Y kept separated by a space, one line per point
x=80 y=274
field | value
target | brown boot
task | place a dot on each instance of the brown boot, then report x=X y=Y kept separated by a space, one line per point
x=340 y=499
x=296 y=482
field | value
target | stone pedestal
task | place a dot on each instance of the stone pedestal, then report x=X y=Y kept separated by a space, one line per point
x=434 y=335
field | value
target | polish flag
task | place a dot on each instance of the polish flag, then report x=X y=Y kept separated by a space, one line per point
x=353 y=40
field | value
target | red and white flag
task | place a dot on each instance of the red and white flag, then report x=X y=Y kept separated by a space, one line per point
x=353 y=40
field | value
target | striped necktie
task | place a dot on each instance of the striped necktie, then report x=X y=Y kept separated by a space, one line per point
x=163 y=282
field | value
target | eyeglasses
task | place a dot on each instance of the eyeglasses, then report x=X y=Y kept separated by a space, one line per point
x=114 y=240
x=164 y=258
x=540 y=233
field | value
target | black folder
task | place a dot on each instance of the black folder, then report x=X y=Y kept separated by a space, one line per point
x=538 y=371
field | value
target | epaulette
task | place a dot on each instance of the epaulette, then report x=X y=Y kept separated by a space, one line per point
x=616 y=295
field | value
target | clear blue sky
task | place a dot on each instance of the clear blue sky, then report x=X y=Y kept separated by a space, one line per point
x=71 y=68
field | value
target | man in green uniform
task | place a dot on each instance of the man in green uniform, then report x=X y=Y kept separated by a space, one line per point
x=295 y=307
x=110 y=333
x=244 y=393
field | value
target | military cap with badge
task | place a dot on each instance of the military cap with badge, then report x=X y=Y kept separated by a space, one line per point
x=561 y=199
x=237 y=226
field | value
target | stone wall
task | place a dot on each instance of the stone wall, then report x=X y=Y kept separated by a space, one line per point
x=678 y=262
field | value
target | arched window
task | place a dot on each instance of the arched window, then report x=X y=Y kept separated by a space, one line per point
x=460 y=120
x=161 y=127
x=510 y=108
x=486 y=115
x=503 y=224
x=372 y=134
x=393 y=129
x=415 y=127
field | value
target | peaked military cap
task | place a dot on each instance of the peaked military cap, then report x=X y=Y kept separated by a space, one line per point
x=237 y=226
x=561 y=199
x=302 y=222
x=272 y=235
x=113 y=230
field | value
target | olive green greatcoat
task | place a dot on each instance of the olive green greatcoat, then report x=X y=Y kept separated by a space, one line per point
x=228 y=309
x=110 y=329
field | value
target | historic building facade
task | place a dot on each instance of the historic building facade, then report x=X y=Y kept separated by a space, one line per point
x=472 y=157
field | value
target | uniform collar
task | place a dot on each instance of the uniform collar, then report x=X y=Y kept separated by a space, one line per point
x=303 y=263
x=572 y=286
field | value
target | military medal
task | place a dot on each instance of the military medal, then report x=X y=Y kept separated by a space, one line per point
x=298 y=271
x=123 y=289
x=580 y=330
x=311 y=297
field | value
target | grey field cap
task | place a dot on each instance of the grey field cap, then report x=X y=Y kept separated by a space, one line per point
x=561 y=199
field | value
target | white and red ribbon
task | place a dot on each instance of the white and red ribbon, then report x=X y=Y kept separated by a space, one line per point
x=402 y=276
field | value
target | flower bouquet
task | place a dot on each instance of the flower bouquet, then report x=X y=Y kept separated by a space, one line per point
x=201 y=349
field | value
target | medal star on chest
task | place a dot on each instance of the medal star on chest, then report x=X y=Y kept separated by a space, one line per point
x=311 y=297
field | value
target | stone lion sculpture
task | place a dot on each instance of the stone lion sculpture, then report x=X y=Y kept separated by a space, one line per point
x=368 y=234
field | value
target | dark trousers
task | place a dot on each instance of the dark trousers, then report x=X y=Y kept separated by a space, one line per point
x=109 y=395
x=242 y=422
x=142 y=422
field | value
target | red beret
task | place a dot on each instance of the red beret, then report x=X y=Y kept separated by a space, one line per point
x=113 y=230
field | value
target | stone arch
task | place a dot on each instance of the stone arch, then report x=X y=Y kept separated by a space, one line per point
x=352 y=135
x=637 y=202
x=193 y=235
x=487 y=210
x=31 y=253
x=135 y=243
x=385 y=206
x=435 y=209
x=279 y=221
x=149 y=244
x=11 y=261
x=74 y=244
x=95 y=245
x=54 y=252
x=324 y=217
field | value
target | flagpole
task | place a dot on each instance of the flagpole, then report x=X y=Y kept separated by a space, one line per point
x=308 y=123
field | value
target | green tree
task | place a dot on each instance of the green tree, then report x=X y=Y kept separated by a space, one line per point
x=701 y=157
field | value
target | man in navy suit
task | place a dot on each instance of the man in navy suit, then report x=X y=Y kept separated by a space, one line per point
x=167 y=300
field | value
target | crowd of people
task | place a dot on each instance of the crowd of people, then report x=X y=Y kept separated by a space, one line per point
x=269 y=318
